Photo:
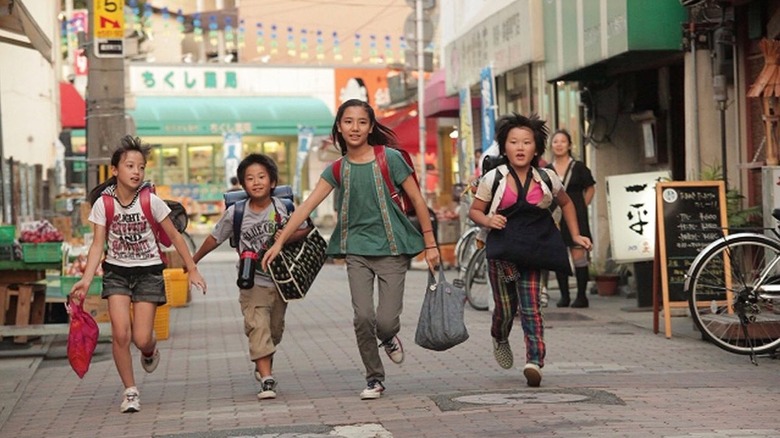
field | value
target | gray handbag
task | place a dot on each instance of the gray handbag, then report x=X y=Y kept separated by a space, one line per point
x=441 y=324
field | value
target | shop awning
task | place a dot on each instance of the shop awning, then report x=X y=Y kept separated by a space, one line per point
x=405 y=123
x=16 y=19
x=250 y=115
x=609 y=37
x=72 y=107
x=437 y=103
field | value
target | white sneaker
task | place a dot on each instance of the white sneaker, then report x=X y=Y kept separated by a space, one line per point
x=533 y=374
x=268 y=390
x=394 y=349
x=131 y=401
x=150 y=363
x=373 y=390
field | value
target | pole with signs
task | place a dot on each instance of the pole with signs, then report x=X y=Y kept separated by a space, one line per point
x=421 y=96
x=105 y=85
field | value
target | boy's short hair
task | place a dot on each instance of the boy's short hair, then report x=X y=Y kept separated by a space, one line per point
x=261 y=159
x=234 y=180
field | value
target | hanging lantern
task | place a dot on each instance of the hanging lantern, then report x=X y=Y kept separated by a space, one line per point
x=767 y=87
x=403 y=47
x=259 y=38
x=180 y=20
x=373 y=52
x=166 y=17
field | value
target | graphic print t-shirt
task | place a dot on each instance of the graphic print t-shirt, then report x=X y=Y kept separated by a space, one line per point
x=131 y=241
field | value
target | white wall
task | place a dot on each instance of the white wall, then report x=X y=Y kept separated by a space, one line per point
x=29 y=94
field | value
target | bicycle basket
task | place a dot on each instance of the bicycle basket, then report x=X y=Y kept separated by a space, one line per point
x=178 y=215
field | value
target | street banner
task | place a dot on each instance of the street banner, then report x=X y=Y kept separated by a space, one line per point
x=232 y=148
x=465 y=137
x=488 y=92
x=305 y=139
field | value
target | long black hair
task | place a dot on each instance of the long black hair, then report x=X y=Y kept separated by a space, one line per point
x=128 y=143
x=566 y=134
x=533 y=122
x=380 y=134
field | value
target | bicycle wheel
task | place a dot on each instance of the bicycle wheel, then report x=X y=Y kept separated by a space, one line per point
x=726 y=286
x=477 y=284
x=465 y=247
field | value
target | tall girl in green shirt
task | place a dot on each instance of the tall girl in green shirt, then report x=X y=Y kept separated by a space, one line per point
x=372 y=234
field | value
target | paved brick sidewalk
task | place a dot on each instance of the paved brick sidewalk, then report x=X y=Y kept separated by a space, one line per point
x=606 y=374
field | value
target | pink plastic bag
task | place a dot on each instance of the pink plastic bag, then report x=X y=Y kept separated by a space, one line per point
x=82 y=338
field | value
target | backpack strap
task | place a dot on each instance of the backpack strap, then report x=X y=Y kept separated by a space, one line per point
x=144 y=197
x=545 y=177
x=337 y=170
x=238 y=218
x=381 y=161
x=108 y=206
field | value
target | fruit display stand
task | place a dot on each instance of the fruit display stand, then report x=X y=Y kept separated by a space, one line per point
x=20 y=279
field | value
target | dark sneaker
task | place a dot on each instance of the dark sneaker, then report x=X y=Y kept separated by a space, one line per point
x=394 y=349
x=268 y=390
x=149 y=363
x=533 y=374
x=563 y=302
x=131 y=401
x=580 y=303
x=503 y=354
x=373 y=390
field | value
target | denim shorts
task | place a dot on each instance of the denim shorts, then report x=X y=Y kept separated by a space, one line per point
x=145 y=287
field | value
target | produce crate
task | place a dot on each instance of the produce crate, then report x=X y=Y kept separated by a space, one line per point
x=162 y=322
x=177 y=287
x=7 y=252
x=7 y=234
x=67 y=282
x=42 y=252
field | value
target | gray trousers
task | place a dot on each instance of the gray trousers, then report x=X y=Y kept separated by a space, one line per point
x=384 y=322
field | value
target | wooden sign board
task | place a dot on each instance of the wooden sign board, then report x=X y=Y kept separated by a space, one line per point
x=690 y=216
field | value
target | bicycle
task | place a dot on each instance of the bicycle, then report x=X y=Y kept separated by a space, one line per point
x=465 y=247
x=476 y=282
x=734 y=292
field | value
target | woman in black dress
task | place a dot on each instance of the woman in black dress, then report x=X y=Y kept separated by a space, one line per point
x=580 y=186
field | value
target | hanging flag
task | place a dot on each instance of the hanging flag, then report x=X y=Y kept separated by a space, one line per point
x=274 y=41
x=213 y=34
x=305 y=138
x=403 y=47
x=357 y=57
x=180 y=20
x=389 y=58
x=488 y=110
x=336 y=47
x=320 y=49
x=241 y=34
x=291 y=42
x=230 y=38
x=466 y=146
x=259 y=40
x=197 y=28
x=166 y=16
x=304 y=44
x=373 y=53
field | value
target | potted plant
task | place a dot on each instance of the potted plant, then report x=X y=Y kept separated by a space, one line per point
x=607 y=275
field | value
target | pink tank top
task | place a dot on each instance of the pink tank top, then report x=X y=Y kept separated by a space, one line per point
x=534 y=196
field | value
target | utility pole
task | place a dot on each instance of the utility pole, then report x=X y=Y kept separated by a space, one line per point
x=105 y=85
x=421 y=96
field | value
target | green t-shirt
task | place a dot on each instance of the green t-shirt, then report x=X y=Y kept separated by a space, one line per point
x=368 y=222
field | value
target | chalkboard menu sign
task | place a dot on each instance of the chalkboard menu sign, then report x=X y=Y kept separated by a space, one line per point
x=690 y=216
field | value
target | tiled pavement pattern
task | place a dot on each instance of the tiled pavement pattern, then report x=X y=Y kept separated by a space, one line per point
x=606 y=374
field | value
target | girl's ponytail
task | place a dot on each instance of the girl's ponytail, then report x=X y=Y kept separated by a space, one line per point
x=94 y=194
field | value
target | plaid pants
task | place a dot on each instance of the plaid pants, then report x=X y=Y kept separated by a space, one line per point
x=515 y=289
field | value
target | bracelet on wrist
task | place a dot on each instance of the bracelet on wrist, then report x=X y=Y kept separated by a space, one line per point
x=429 y=230
x=430 y=247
